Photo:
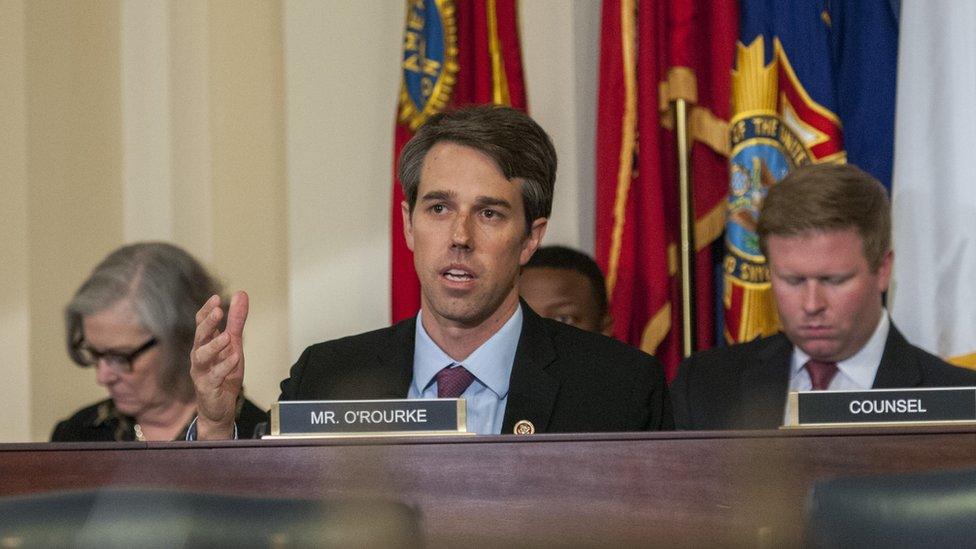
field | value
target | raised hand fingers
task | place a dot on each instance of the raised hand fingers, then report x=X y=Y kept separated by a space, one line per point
x=237 y=314
x=223 y=362
x=217 y=364
x=208 y=318
x=207 y=354
x=212 y=301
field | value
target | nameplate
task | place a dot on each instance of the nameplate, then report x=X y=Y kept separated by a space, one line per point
x=331 y=418
x=882 y=406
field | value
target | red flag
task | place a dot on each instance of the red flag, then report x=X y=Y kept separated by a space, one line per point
x=454 y=54
x=651 y=54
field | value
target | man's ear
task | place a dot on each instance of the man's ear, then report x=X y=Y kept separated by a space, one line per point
x=884 y=270
x=532 y=242
x=407 y=224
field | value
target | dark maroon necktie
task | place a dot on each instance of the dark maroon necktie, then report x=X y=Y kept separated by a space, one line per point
x=821 y=373
x=452 y=382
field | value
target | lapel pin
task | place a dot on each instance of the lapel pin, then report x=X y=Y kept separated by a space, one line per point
x=524 y=427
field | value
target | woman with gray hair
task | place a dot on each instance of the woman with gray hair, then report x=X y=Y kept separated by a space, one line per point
x=133 y=320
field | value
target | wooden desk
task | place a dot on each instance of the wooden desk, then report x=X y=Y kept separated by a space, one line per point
x=698 y=488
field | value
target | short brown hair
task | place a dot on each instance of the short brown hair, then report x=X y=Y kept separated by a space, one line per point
x=829 y=197
x=518 y=145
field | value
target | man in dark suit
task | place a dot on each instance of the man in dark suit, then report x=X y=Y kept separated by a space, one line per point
x=826 y=233
x=478 y=184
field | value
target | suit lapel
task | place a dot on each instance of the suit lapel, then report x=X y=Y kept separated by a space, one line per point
x=897 y=369
x=396 y=361
x=765 y=382
x=531 y=392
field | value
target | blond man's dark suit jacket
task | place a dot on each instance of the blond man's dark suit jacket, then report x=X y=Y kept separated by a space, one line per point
x=563 y=379
x=745 y=386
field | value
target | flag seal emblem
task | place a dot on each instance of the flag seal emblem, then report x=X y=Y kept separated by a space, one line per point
x=764 y=148
x=429 y=63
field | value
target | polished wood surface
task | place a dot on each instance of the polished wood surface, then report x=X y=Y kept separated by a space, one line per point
x=693 y=489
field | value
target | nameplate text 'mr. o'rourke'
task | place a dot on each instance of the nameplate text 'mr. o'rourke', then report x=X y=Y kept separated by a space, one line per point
x=331 y=418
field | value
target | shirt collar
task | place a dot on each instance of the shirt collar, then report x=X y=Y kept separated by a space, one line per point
x=491 y=363
x=863 y=366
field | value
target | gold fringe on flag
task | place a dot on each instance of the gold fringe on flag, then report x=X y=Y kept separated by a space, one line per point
x=656 y=329
x=499 y=79
x=966 y=361
x=628 y=139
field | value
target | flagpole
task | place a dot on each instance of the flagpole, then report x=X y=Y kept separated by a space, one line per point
x=687 y=234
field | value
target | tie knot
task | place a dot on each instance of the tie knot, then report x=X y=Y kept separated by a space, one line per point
x=821 y=373
x=452 y=382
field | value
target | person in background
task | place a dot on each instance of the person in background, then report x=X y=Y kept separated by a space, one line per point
x=825 y=230
x=567 y=285
x=133 y=321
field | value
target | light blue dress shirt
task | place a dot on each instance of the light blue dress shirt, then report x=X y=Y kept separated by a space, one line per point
x=491 y=364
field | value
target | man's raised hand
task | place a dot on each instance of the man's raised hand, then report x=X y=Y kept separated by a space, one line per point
x=217 y=366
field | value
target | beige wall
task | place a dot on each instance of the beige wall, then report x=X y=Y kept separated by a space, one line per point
x=341 y=66
x=561 y=43
x=74 y=199
x=14 y=269
x=255 y=134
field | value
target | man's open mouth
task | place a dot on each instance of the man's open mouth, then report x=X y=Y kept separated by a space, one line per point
x=458 y=275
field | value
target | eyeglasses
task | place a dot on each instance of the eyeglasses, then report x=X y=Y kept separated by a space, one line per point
x=120 y=362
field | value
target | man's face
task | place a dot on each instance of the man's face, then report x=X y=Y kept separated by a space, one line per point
x=564 y=295
x=468 y=235
x=829 y=301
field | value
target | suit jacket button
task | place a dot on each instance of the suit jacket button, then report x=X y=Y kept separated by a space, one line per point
x=524 y=427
